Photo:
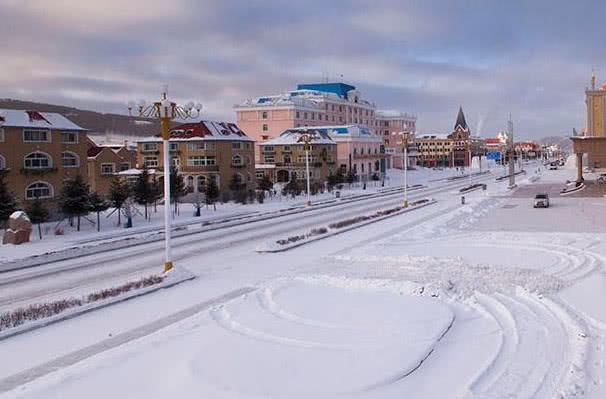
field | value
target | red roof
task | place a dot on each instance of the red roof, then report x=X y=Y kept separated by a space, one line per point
x=491 y=140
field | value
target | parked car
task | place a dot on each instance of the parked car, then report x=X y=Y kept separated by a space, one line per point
x=602 y=178
x=541 y=201
x=553 y=166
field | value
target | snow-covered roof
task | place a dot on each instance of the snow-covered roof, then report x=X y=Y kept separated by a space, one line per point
x=394 y=114
x=337 y=132
x=36 y=120
x=304 y=97
x=292 y=136
x=202 y=131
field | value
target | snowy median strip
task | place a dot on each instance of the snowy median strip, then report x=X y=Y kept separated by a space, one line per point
x=38 y=315
x=340 y=227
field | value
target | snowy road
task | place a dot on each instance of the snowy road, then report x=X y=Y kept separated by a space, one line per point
x=424 y=305
x=84 y=274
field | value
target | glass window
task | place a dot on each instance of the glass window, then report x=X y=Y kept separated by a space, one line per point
x=1 y=135
x=107 y=168
x=269 y=159
x=150 y=162
x=69 y=138
x=2 y=162
x=265 y=128
x=173 y=146
x=37 y=160
x=236 y=145
x=236 y=160
x=38 y=190
x=195 y=146
x=124 y=166
x=201 y=161
x=36 y=136
x=69 y=160
x=150 y=147
x=264 y=115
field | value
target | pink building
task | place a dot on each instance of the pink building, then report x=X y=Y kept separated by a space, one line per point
x=398 y=129
x=357 y=149
x=318 y=104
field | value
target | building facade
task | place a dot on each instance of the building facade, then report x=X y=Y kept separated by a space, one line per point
x=461 y=142
x=435 y=151
x=398 y=130
x=39 y=151
x=316 y=104
x=202 y=152
x=105 y=162
x=592 y=141
x=287 y=154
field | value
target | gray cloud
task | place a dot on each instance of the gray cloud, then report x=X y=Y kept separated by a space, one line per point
x=530 y=58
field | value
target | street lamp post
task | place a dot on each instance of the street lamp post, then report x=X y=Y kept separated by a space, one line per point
x=306 y=140
x=404 y=152
x=166 y=110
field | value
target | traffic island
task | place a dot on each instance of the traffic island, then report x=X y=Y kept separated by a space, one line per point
x=340 y=227
x=38 y=315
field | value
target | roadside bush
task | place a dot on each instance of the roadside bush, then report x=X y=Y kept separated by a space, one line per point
x=240 y=197
x=225 y=197
x=260 y=197
x=251 y=196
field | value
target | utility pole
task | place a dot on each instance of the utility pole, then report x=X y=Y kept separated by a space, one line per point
x=512 y=178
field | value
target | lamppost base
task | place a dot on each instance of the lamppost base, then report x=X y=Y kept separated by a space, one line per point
x=168 y=266
x=307 y=203
x=405 y=204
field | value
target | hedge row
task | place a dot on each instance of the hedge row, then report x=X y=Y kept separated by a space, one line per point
x=42 y=310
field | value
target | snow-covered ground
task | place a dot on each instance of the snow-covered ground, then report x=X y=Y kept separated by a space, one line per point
x=491 y=299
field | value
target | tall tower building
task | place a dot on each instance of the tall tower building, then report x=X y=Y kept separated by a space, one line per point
x=596 y=110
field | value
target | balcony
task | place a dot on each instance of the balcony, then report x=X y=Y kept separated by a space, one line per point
x=205 y=168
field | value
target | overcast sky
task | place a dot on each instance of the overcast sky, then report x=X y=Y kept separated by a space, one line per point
x=530 y=58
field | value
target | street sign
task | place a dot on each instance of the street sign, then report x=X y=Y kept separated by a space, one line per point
x=493 y=155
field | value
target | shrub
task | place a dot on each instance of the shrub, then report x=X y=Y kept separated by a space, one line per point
x=260 y=197
x=225 y=197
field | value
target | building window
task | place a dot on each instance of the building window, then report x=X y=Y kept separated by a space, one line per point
x=1 y=135
x=264 y=114
x=201 y=161
x=236 y=145
x=124 y=166
x=189 y=183
x=69 y=138
x=2 y=162
x=269 y=159
x=201 y=182
x=236 y=160
x=259 y=174
x=340 y=119
x=286 y=158
x=268 y=148
x=69 y=159
x=265 y=127
x=200 y=146
x=37 y=160
x=36 y=136
x=39 y=190
x=108 y=168
x=298 y=115
x=150 y=162
x=175 y=162
x=173 y=146
x=149 y=147
x=313 y=116
x=304 y=115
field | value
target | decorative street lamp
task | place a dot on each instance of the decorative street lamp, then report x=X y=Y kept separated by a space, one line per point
x=306 y=140
x=166 y=110
x=404 y=144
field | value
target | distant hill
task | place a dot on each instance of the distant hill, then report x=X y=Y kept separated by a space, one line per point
x=99 y=124
x=564 y=142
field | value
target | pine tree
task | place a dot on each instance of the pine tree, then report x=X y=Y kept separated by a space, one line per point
x=98 y=204
x=74 y=199
x=37 y=214
x=8 y=202
x=265 y=184
x=157 y=192
x=211 y=190
x=118 y=193
x=143 y=190
x=340 y=178
x=177 y=187
x=235 y=184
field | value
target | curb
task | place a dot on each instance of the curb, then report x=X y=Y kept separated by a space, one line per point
x=343 y=230
x=75 y=312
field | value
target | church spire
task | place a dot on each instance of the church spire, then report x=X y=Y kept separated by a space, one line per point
x=461 y=119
